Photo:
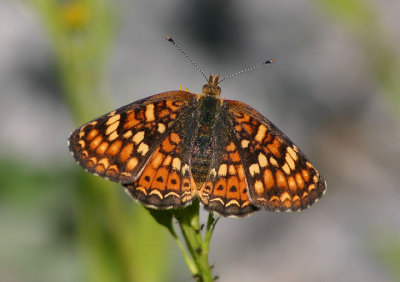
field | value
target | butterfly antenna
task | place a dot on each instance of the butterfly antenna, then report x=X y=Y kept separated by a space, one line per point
x=169 y=38
x=269 y=61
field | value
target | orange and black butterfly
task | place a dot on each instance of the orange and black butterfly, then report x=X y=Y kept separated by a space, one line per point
x=168 y=148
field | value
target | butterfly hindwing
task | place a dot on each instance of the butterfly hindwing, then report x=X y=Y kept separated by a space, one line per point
x=225 y=190
x=117 y=145
x=278 y=175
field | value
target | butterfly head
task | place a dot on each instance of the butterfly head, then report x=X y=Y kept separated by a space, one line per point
x=212 y=88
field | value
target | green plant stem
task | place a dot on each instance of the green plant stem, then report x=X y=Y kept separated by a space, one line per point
x=196 y=255
x=188 y=220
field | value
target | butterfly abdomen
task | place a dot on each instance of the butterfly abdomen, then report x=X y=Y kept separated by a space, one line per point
x=202 y=149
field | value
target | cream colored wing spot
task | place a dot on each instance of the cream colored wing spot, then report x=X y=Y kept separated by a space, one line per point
x=185 y=169
x=113 y=119
x=253 y=169
x=161 y=128
x=245 y=143
x=143 y=149
x=142 y=189
x=290 y=161
x=157 y=193
x=138 y=137
x=127 y=134
x=222 y=170
x=292 y=153
x=260 y=133
x=113 y=136
x=262 y=160
x=273 y=161
x=176 y=164
x=286 y=168
x=82 y=143
x=149 y=113
x=112 y=128
x=232 y=202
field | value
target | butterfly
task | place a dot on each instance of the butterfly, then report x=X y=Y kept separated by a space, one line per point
x=168 y=148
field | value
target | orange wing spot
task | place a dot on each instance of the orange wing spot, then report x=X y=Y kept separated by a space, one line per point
x=241 y=118
x=91 y=162
x=104 y=162
x=238 y=127
x=240 y=171
x=114 y=148
x=280 y=179
x=287 y=204
x=292 y=184
x=126 y=152
x=157 y=159
x=311 y=187
x=147 y=177
x=160 y=180
x=84 y=154
x=232 y=170
x=186 y=184
x=131 y=121
x=274 y=148
x=112 y=170
x=167 y=160
x=132 y=164
x=174 y=181
x=299 y=180
x=163 y=113
x=269 y=179
x=102 y=165
x=233 y=187
x=296 y=202
x=82 y=143
x=167 y=146
x=274 y=202
x=93 y=133
x=175 y=138
x=102 y=148
x=243 y=190
x=81 y=133
x=305 y=196
x=231 y=147
x=306 y=175
x=96 y=142
x=170 y=105
x=259 y=188
x=248 y=128
x=220 y=188
x=235 y=157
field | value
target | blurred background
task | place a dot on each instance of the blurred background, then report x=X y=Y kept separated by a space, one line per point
x=334 y=90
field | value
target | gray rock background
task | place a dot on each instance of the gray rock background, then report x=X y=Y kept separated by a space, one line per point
x=322 y=92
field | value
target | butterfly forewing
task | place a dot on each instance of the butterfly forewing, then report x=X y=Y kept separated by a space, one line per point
x=166 y=181
x=119 y=144
x=278 y=175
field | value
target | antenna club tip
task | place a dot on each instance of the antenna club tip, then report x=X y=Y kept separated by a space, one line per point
x=169 y=38
x=270 y=61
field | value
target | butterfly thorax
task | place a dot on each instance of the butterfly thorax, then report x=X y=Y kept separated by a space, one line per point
x=209 y=106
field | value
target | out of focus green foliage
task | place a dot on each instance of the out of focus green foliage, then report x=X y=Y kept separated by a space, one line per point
x=115 y=239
